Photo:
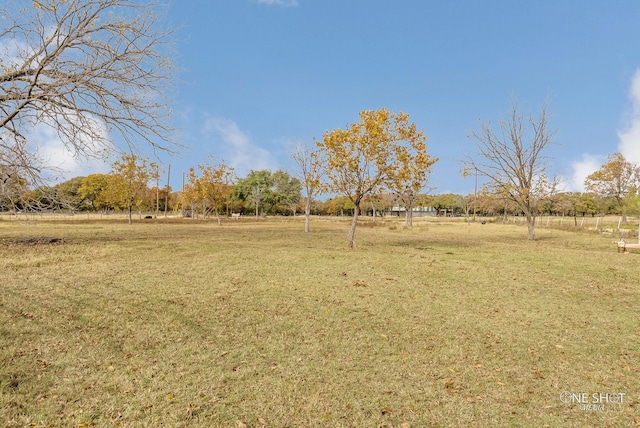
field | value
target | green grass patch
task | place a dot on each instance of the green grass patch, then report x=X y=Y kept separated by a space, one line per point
x=257 y=323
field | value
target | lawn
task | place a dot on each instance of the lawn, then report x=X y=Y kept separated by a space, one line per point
x=255 y=324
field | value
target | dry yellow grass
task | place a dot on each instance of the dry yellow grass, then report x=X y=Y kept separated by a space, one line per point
x=257 y=323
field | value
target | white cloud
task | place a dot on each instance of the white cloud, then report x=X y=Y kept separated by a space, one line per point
x=238 y=150
x=630 y=137
x=580 y=170
x=62 y=162
x=286 y=3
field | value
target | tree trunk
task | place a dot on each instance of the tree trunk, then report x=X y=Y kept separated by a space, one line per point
x=504 y=219
x=409 y=214
x=354 y=223
x=218 y=216
x=531 y=226
x=130 y=211
x=307 y=215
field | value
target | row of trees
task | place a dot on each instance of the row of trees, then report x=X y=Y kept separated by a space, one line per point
x=212 y=189
x=486 y=204
x=126 y=188
x=215 y=188
x=97 y=192
x=132 y=185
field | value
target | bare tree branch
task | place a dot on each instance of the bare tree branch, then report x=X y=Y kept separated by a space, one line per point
x=96 y=71
x=514 y=160
x=311 y=170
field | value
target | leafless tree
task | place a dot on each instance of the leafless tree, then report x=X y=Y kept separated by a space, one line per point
x=310 y=173
x=513 y=159
x=94 y=71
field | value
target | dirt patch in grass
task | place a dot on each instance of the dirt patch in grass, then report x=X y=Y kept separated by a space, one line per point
x=36 y=240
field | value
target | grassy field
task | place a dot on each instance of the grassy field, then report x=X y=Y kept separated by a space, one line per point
x=253 y=324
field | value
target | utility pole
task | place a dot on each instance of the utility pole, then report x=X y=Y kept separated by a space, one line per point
x=166 y=196
x=157 y=189
x=475 y=195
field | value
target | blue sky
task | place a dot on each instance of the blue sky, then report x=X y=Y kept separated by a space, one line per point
x=259 y=76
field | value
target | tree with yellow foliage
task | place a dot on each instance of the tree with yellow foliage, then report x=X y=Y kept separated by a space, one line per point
x=615 y=179
x=412 y=173
x=127 y=185
x=212 y=188
x=373 y=155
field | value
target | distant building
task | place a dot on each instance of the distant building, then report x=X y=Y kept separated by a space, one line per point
x=417 y=212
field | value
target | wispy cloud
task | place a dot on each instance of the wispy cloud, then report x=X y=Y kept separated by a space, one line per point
x=630 y=137
x=285 y=3
x=237 y=148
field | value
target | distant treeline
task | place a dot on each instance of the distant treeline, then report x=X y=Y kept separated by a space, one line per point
x=275 y=193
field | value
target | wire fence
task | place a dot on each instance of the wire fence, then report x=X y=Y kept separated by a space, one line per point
x=77 y=216
x=603 y=224
x=614 y=225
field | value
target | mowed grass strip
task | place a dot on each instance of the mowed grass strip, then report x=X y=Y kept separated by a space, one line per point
x=192 y=324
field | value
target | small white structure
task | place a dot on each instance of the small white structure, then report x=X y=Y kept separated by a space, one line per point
x=398 y=211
